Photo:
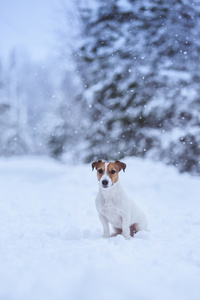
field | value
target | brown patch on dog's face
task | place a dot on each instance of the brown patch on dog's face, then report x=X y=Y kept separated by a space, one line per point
x=100 y=170
x=112 y=171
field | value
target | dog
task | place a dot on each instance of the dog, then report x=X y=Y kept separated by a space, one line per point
x=113 y=205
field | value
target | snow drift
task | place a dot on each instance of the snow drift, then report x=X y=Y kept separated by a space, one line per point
x=50 y=235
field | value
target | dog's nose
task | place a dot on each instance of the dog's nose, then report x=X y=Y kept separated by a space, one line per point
x=104 y=182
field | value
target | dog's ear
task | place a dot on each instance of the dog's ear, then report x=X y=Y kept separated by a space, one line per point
x=121 y=165
x=95 y=164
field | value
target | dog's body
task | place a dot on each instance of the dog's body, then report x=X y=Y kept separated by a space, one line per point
x=113 y=205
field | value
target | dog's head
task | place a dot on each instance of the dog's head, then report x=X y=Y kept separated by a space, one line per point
x=107 y=172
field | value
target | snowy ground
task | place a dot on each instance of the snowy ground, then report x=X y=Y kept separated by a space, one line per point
x=50 y=235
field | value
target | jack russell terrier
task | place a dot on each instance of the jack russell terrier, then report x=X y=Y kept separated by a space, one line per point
x=113 y=205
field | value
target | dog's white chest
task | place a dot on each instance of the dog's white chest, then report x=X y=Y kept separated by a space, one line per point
x=111 y=210
x=112 y=214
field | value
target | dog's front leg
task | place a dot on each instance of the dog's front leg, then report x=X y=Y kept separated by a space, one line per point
x=125 y=227
x=106 y=229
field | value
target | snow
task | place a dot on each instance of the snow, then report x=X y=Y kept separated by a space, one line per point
x=50 y=235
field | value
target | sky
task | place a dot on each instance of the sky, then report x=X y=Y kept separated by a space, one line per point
x=27 y=24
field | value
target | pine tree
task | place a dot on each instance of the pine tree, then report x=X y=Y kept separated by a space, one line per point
x=16 y=96
x=138 y=64
x=61 y=126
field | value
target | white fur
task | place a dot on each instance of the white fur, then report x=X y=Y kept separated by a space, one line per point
x=116 y=208
x=106 y=177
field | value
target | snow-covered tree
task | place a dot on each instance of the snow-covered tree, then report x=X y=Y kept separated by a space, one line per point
x=138 y=64
x=61 y=127
x=15 y=135
x=63 y=124
x=24 y=95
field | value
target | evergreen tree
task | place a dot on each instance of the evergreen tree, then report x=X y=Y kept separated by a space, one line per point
x=11 y=138
x=20 y=101
x=137 y=62
x=61 y=126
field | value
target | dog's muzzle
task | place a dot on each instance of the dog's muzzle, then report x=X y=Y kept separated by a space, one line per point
x=105 y=182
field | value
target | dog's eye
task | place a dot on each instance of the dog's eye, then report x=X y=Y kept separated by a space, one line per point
x=100 y=171
x=113 y=172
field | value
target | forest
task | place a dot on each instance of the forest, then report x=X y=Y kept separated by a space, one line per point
x=126 y=82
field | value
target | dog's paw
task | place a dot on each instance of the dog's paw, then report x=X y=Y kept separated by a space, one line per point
x=114 y=234
x=126 y=236
x=106 y=235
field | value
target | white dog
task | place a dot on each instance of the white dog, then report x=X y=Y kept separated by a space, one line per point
x=113 y=205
